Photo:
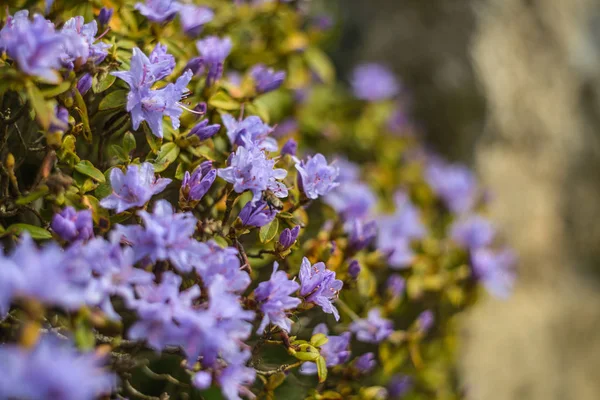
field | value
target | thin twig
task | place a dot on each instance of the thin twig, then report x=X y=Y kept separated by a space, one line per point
x=283 y=368
x=163 y=377
x=134 y=392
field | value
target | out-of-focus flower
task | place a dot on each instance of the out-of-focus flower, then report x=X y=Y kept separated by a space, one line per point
x=285 y=127
x=425 y=321
x=373 y=329
x=250 y=169
x=251 y=131
x=290 y=147
x=204 y=131
x=455 y=184
x=133 y=189
x=34 y=45
x=105 y=15
x=61 y=121
x=319 y=286
x=73 y=225
x=193 y=18
x=374 y=82
x=495 y=270
x=336 y=351
x=266 y=79
x=275 y=300
x=316 y=177
x=214 y=51
x=395 y=285
x=352 y=200
x=195 y=186
x=52 y=370
x=472 y=232
x=399 y=385
x=365 y=363
x=158 y=10
x=257 y=214
x=361 y=233
x=234 y=381
x=216 y=262
x=196 y=65
x=288 y=237
x=397 y=230
x=354 y=269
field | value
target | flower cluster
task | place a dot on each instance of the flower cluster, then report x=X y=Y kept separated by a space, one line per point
x=251 y=260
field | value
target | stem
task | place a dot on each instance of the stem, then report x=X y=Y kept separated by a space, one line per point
x=134 y=392
x=296 y=206
x=229 y=206
x=163 y=377
x=261 y=253
x=347 y=309
x=283 y=368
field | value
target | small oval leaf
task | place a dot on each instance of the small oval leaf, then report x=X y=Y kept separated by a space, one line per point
x=116 y=99
x=87 y=168
x=35 y=232
x=268 y=232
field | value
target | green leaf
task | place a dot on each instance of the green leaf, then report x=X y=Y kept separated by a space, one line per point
x=268 y=232
x=129 y=143
x=321 y=369
x=153 y=141
x=119 y=152
x=104 y=83
x=257 y=108
x=83 y=113
x=84 y=334
x=54 y=91
x=221 y=100
x=33 y=196
x=319 y=339
x=116 y=99
x=221 y=241
x=35 y=232
x=166 y=155
x=87 y=168
x=306 y=356
x=320 y=64
x=44 y=111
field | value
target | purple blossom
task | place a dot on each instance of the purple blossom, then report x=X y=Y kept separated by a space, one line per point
x=361 y=233
x=166 y=61
x=234 y=379
x=196 y=65
x=60 y=122
x=193 y=18
x=34 y=45
x=397 y=230
x=266 y=79
x=365 y=363
x=133 y=189
x=399 y=385
x=288 y=237
x=250 y=131
x=204 y=131
x=214 y=51
x=354 y=269
x=73 y=225
x=202 y=380
x=425 y=321
x=250 y=169
x=257 y=214
x=158 y=10
x=352 y=200
x=395 y=285
x=52 y=370
x=374 y=82
x=319 y=286
x=373 y=329
x=79 y=43
x=143 y=73
x=472 y=232
x=105 y=15
x=455 y=184
x=316 y=177
x=274 y=299
x=84 y=84
x=495 y=270
x=285 y=127
x=290 y=147
x=218 y=262
x=196 y=185
x=166 y=236
x=336 y=351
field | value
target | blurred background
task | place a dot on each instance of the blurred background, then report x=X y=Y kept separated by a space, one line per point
x=511 y=87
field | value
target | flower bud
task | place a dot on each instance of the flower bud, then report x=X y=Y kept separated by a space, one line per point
x=105 y=16
x=354 y=269
x=288 y=237
x=84 y=84
x=290 y=147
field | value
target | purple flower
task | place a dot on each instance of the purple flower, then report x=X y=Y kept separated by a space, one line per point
x=495 y=270
x=166 y=236
x=399 y=385
x=73 y=225
x=204 y=131
x=79 y=43
x=288 y=237
x=425 y=321
x=472 y=232
x=373 y=329
x=336 y=351
x=61 y=121
x=84 y=83
x=455 y=184
x=274 y=299
x=319 y=286
x=373 y=82
x=250 y=131
x=266 y=79
x=316 y=177
x=224 y=262
x=250 y=169
x=34 y=45
x=285 y=127
x=397 y=230
x=105 y=15
x=354 y=269
x=52 y=370
x=214 y=51
x=257 y=214
x=195 y=186
x=166 y=61
x=193 y=18
x=234 y=379
x=202 y=380
x=365 y=363
x=133 y=189
x=158 y=10
x=361 y=233
x=290 y=147
x=196 y=65
x=143 y=72
x=395 y=285
x=352 y=200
